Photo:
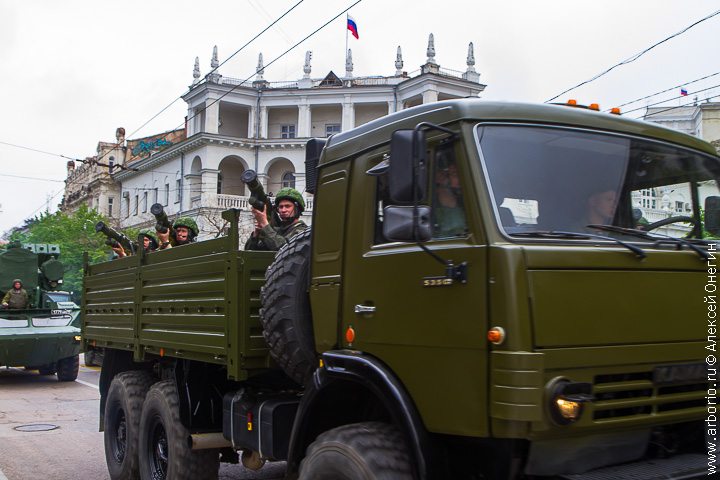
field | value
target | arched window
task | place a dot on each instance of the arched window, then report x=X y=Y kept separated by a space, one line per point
x=288 y=180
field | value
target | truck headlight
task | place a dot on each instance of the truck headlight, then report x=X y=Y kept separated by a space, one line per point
x=567 y=400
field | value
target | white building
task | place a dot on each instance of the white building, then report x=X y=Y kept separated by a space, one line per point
x=701 y=120
x=234 y=125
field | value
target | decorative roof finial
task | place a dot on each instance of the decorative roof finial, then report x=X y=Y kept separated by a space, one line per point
x=349 y=64
x=470 y=74
x=431 y=50
x=260 y=69
x=214 y=63
x=196 y=71
x=471 y=58
x=306 y=67
x=398 y=62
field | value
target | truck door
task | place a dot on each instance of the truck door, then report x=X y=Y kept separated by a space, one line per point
x=430 y=333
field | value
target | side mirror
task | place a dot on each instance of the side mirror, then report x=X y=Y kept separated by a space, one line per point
x=399 y=225
x=407 y=173
x=712 y=215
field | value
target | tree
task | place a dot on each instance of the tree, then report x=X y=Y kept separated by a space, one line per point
x=74 y=233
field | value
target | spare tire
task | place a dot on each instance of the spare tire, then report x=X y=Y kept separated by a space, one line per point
x=285 y=312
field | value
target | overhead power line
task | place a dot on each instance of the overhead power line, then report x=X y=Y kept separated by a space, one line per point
x=675 y=107
x=634 y=57
x=667 y=90
x=670 y=99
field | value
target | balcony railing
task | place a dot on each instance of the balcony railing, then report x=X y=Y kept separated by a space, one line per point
x=225 y=202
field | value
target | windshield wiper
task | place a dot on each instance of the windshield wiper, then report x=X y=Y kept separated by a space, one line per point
x=561 y=234
x=667 y=239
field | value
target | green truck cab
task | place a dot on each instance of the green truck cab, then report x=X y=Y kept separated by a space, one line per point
x=45 y=336
x=488 y=290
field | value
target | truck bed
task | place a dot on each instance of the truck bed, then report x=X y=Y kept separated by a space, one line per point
x=198 y=302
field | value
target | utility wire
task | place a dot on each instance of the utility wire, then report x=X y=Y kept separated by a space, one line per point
x=634 y=57
x=667 y=90
x=670 y=99
x=220 y=65
x=673 y=108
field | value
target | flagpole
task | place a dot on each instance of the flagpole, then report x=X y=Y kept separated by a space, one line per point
x=346 y=38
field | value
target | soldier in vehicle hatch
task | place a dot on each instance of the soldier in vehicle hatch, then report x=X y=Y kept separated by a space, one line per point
x=289 y=204
x=186 y=231
x=16 y=297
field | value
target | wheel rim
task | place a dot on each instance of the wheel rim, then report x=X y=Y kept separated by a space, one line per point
x=120 y=438
x=158 y=450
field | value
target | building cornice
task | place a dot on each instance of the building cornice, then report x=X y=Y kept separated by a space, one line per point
x=203 y=139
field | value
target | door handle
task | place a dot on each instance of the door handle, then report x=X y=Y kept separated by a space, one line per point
x=364 y=309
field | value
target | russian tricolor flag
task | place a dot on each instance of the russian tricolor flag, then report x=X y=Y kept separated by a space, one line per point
x=683 y=92
x=352 y=26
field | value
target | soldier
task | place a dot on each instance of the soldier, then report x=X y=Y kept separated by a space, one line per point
x=186 y=231
x=16 y=297
x=289 y=204
x=150 y=241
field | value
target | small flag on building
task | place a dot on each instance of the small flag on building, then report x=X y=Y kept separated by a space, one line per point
x=683 y=92
x=352 y=26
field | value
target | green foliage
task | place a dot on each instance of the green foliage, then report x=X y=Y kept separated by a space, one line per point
x=75 y=234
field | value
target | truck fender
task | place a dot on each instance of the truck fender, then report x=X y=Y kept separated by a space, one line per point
x=345 y=369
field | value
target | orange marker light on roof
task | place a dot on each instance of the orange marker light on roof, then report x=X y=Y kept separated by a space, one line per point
x=496 y=335
x=615 y=110
x=350 y=335
x=594 y=106
x=572 y=102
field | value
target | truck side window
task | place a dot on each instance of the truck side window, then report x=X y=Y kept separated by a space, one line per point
x=447 y=199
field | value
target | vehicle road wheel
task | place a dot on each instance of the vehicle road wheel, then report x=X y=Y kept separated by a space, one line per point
x=89 y=357
x=165 y=451
x=67 y=368
x=360 y=451
x=285 y=313
x=122 y=419
x=48 y=369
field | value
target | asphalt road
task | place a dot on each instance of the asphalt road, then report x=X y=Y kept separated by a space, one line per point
x=71 y=447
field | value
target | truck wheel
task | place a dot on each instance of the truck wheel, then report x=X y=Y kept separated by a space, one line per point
x=122 y=419
x=360 y=451
x=165 y=451
x=67 y=368
x=285 y=312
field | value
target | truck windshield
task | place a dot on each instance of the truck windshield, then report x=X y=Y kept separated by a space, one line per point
x=551 y=179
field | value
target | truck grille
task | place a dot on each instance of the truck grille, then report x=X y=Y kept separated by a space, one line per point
x=635 y=394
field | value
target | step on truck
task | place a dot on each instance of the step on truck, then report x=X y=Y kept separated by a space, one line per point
x=488 y=290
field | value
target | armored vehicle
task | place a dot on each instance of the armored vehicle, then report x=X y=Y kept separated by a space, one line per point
x=46 y=334
x=488 y=290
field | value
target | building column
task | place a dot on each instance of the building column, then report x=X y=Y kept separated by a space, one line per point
x=391 y=106
x=348 y=114
x=430 y=95
x=304 y=119
x=263 y=122
x=251 y=122
x=212 y=116
x=208 y=188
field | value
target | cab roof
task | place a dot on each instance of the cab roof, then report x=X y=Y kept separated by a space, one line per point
x=377 y=132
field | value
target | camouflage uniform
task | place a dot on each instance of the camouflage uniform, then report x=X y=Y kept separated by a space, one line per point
x=17 y=299
x=272 y=238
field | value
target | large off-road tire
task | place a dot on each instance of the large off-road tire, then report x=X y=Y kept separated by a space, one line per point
x=122 y=420
x=285 y=312
x=67 y=368
x=360 y=451
x=165 y=452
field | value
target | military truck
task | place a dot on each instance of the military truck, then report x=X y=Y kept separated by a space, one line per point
x=45 y=336
x=470 y=302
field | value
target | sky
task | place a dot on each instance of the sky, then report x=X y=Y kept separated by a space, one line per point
x=71 y=72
